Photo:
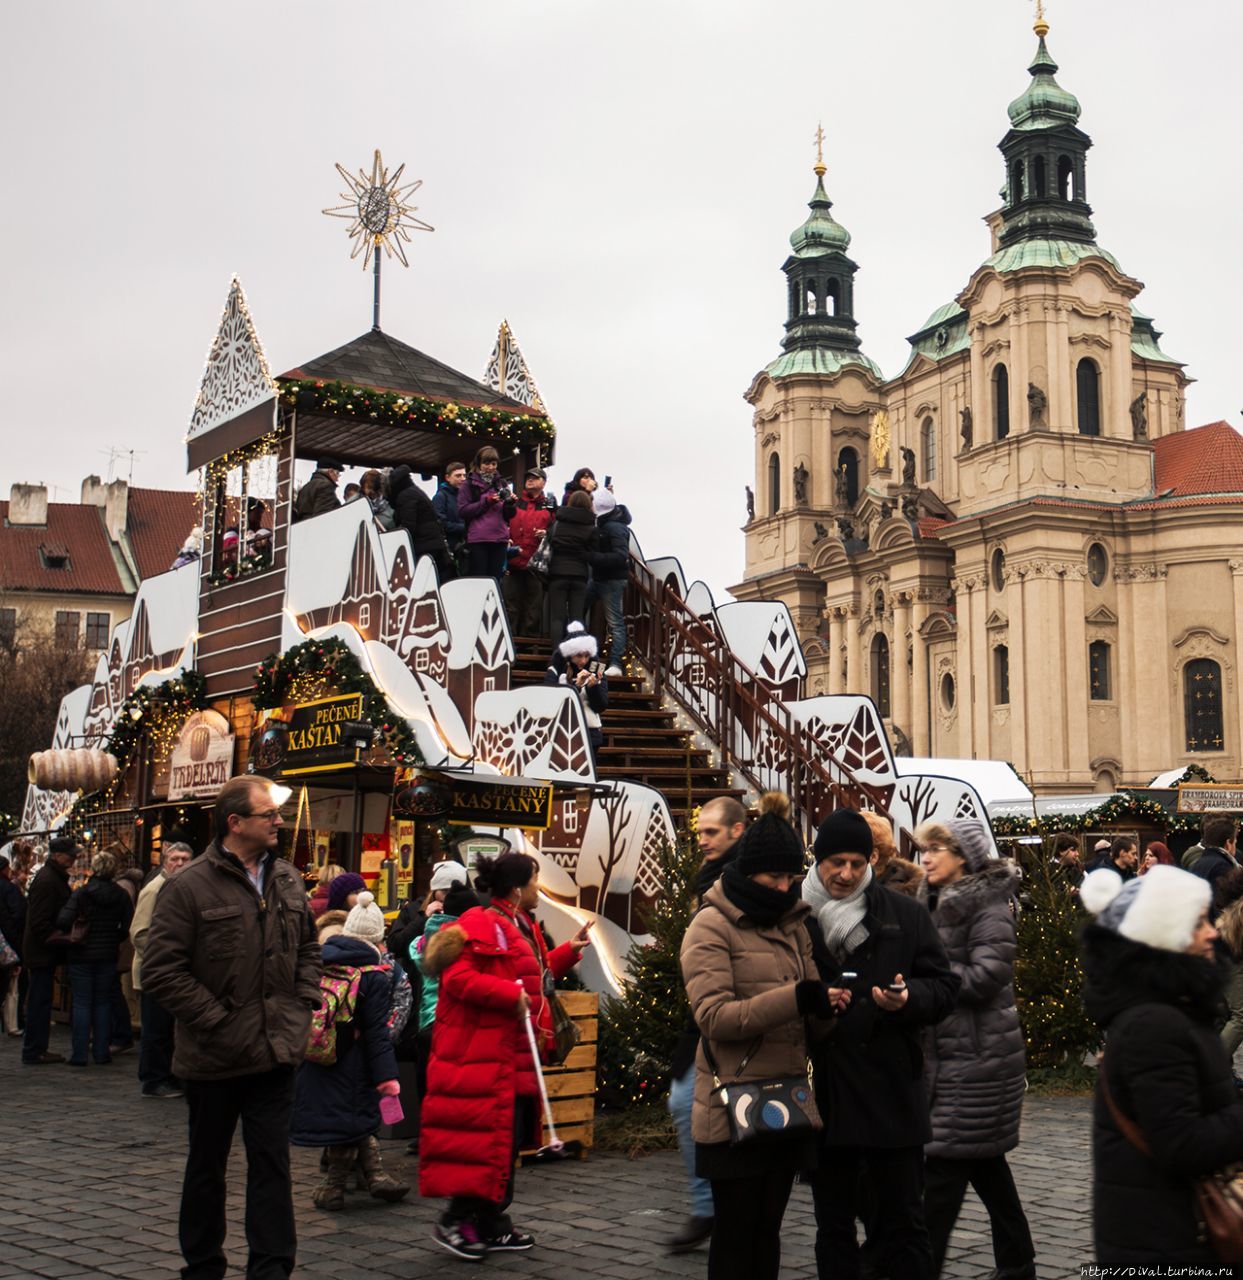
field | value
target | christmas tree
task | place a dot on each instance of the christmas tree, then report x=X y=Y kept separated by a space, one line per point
x=1048 y=975
x=639 y=1030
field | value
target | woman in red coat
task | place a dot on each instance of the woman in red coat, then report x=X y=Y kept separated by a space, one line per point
x=480 y=1109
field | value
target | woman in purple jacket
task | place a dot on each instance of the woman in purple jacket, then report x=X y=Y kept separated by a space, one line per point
x=486 y=504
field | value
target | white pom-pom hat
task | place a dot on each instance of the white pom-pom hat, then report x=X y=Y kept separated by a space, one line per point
x=366 y=920
x=577 y=640
x=1160 y=908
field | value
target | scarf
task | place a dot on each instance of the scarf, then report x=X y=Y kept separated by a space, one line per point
x=761 y=905
x=712 y=870
x=840 y=919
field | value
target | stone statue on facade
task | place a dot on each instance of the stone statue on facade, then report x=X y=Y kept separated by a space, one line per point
x=750 y=504
x=908 y=468
x=910 y=506
x=886 y=510
x=800 y=483
x=1139 y=416
x=821 y=533
x=845 y=528
x=841 y=487
x=1037 y=405
x=967 y=428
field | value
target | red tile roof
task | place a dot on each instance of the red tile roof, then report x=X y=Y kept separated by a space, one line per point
x=1201 y=461
x=928 y=525
x=80 y=529
x=158 y=523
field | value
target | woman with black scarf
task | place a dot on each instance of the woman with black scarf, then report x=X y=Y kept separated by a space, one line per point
x=750 y=978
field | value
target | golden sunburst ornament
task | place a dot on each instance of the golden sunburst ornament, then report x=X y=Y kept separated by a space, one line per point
x=379 y=211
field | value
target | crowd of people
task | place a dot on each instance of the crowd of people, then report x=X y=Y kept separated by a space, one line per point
x=553 y=561
x=852 y=1024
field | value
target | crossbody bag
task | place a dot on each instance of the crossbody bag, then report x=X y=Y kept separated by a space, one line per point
x=762 y=1109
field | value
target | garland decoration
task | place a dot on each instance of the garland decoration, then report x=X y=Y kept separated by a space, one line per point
x=1120 y=809
x=300 y=673
x=159 y=710
x=399 y=409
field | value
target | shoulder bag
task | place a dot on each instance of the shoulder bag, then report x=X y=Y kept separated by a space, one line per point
x=760 y=1109
x=1219 y=1195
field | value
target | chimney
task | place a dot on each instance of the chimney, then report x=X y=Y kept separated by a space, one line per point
x=116 y=508
x=28 y=504
x=94 y=493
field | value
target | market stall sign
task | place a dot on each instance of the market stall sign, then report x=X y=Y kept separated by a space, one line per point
x=314 y=741
x=1195 y=797
x=202 y=761
x=497 y=804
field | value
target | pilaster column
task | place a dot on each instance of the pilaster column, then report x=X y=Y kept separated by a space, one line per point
x=1236 y=570
x=899 y=679
x=1131 y=718
x=1078 y=729
x=1115 y=418
x=978 y=397
x=1150 y=750
x=1016 y=612
x=854 y=682
x=834 y=642
x=1020 y=366
x=921 y=695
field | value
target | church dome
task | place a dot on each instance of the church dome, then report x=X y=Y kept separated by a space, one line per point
x=821 y=233
x=1045 y=104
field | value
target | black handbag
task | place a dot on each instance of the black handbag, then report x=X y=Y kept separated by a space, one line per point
x=566 y=1033
x=761 y=1109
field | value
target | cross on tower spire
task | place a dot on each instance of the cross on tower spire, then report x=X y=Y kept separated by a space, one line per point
x=820 y=169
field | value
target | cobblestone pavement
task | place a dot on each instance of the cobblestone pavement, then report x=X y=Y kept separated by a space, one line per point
x=91 y=1175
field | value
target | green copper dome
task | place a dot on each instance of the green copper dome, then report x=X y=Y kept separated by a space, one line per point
x=821 y=233
x=1045 y=104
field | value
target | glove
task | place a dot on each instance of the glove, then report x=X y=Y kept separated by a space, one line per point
x=388 y=1088
x=812 y=998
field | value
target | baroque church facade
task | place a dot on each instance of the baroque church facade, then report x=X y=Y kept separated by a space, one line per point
x=1014 y=546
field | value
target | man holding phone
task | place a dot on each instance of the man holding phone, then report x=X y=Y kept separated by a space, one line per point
x=888 y=977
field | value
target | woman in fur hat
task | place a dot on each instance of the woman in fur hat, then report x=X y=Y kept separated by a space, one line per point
x=1166 y=1110
x=752 y=985
x=974 y=1063
x=574 y=666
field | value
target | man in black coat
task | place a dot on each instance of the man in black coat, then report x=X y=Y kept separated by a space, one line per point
x=1219 y=836
x=319 y=494
x=413 y=511
x=888 y=978
x=49 y=891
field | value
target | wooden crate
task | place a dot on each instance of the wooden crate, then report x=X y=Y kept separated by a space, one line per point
x=572 y=1087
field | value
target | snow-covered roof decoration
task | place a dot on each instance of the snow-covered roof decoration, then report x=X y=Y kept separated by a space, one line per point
x=237 y=376
x=993 y=780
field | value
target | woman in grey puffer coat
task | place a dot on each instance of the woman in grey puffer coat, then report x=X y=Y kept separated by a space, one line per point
x=974 y=1064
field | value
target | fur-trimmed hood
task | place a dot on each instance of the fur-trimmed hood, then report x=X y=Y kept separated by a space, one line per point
x=998 y=882
x=1120 y=973
x=902 y=876
x=444 y=949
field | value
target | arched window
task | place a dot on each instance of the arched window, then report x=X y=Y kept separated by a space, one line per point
x=1001 y=675
x=1202 y=706
x=1041 y=184
x=848 y=460
x=1001 y=401
x=811 y=299
x=1065 y=178
x=832 y=299
x=1088 y=392
x=880 y=674
x=1017 y=190
x=928 y=441
x=1100 y=679
x=774 y=484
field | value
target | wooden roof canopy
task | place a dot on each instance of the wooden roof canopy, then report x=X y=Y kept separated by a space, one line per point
x=377 y=401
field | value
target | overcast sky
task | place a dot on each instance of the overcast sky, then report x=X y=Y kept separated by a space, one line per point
x=617 y=180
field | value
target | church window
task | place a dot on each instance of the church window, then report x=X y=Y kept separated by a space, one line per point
x=774 y=484
x=1065 y=177
x=848 y=461
x=1001 y=401
x=1017 y=187
x=1088 y=391
x=947 y=691
x=928 y=439
x=832 y=299
x=811 y=299
x=1099 y=676
x=880 y=675
x=1041 y=184
x=1098 y=564
x=1202 y=715
x=1001 y=675
x=997 y=570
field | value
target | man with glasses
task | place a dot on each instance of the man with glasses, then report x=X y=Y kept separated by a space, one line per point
x=231 y=955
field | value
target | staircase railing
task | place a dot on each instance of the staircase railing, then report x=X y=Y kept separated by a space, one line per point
x=758 y=735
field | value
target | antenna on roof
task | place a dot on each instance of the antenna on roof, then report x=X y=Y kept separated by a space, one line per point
x=114 y=455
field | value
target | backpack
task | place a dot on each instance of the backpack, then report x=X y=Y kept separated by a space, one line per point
x=338 y=998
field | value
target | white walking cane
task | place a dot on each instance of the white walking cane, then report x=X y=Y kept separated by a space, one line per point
x=555 y=1143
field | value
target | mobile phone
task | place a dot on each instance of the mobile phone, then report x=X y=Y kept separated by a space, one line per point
x=896 y=987
x=849 y=977
x=608 y=480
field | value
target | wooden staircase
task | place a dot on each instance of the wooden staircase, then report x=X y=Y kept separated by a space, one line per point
x=642 y=740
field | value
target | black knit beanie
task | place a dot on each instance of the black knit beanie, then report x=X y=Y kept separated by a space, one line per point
x=770 y=843
x=843 y=831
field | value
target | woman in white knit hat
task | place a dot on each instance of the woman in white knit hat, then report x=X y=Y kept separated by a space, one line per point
x=1166 y=1110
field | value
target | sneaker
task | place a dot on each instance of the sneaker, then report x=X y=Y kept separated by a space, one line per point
x=513 y=1241
x=44 y=1059
x=164 y=1090
x=461 y=1239
x=693 y=1233
x=613 y=670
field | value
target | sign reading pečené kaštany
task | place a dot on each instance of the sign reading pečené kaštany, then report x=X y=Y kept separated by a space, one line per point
x=498 y=804
x=314 y=740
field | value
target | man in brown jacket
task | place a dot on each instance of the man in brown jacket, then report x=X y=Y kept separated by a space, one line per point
x=231 y=954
